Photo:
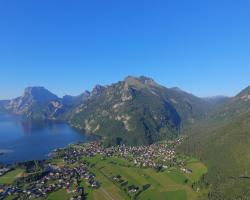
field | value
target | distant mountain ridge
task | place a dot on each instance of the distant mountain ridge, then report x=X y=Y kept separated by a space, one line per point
x=136 y=110
x=38 y=103
x=75 y=100
x=32 y=96
x=217 y=99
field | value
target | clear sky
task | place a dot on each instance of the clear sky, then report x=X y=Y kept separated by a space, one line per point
x=201 y=46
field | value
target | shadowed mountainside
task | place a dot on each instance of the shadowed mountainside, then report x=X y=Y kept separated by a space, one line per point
x=222 y=141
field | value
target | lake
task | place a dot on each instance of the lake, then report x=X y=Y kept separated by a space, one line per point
x=22 y=140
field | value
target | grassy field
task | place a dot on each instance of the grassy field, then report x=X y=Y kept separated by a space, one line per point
x=11 y=176
x=59 y=195
x=172 y=195
x=198 y=169
x=58 y=162
x=108 y=189
x=171 y=184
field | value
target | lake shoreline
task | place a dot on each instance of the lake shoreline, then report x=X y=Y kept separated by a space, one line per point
x=24 y=140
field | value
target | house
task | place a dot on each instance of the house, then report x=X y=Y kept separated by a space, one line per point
x=187 y=171
x=133 y=189
x=117 y=178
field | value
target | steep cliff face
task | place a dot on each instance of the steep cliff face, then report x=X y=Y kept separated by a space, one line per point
x=32 y=97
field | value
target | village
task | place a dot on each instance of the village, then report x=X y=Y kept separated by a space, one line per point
x=158 y=155
x=52 y=178
x=66 y=169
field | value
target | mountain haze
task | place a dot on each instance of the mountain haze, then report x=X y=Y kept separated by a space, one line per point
x=36 y=103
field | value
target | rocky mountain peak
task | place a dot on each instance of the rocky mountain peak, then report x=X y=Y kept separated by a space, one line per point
x=142 y=79
x=177 y=89
x=39 y=94
x=146 y=80
x=244 y=94
x=140 y=82
x=98 y=89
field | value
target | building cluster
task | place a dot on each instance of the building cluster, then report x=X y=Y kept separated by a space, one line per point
x=160 y=154
x=74 y=173
x=52 y=179
x=75 y=153
x=146 y=156
x=4 y=170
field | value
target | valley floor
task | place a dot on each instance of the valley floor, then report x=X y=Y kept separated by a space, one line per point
x=91 y=171
x=169 y=184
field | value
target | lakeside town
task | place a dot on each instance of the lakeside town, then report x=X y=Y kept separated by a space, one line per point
x=67 y=169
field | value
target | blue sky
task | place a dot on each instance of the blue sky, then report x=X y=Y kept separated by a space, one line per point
x=69 y=46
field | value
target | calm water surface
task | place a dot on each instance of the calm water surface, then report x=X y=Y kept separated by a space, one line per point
x=22 y=140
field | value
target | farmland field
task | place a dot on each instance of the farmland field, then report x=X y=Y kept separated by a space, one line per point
x=115 y=178
x=169 y=184
x=198 y=170
x=59 y=195
x=11 y=176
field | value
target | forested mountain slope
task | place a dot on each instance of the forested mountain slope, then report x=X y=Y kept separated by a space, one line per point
x=222 y=141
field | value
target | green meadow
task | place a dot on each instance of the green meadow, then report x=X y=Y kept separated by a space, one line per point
x=198 y=169
x=169 y=184
x=11 y=176
x=59 y=195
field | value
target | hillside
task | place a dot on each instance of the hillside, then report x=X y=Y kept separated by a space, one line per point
x=138 y=111
x=222 y=142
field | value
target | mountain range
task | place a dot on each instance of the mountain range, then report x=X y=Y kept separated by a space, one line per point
x=138 y=110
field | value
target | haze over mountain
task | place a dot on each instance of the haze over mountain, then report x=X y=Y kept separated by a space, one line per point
x=38 y=103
